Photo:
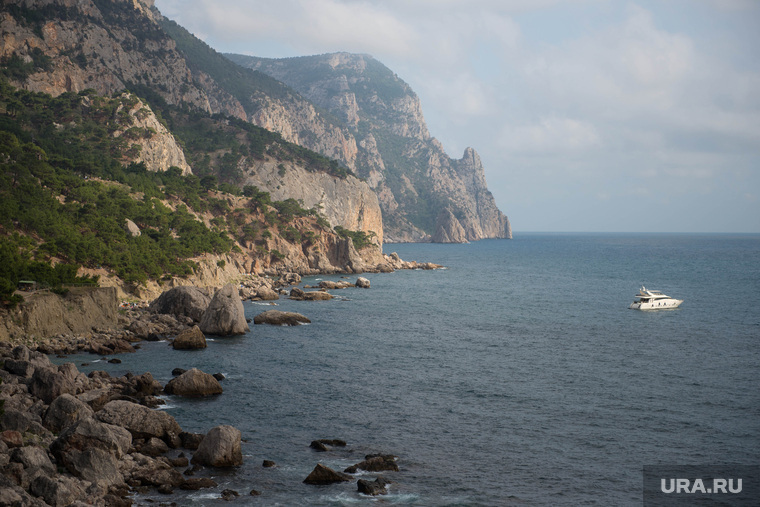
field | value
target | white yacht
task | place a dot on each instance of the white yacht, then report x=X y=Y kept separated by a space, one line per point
x=648 y=299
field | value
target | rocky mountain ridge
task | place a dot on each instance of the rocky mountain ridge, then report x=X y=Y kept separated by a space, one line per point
x=409 y=170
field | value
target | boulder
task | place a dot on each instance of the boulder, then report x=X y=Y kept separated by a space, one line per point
x=266 y=294
x=278 y=318
x=297 y=294
x=225 y=315
x=12 y=438
x=190 y=339
x=221 y=447
x=154 y=447
x=19 y=367
x=132 y=228
x=56 y=490
x=140 y=421
x=185 y=301
x=64 y=411
x=373 y=488
x=90 y=433
x=190 y=440
x=325 y=475
x=49 y=383
x=16 y=420
x=193 y=383
x=362 y=282
x=90 y=449
x=32 y=457
x=157 y=472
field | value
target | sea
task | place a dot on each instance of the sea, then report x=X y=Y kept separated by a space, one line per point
x=516 y=375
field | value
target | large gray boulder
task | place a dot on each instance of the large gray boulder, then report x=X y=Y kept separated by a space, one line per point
x=278 y=318
x=90 y=449
x=225 y=315
x=64 y=411
x=186 y=301
x=193 y=383
x=221 y=447
x=49 y=383
x=89 y=433
x=140 y=421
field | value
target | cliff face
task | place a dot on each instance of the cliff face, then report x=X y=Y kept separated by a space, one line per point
x=347 y=202
x=408 y=169
x=151 y=142
x=47 y=314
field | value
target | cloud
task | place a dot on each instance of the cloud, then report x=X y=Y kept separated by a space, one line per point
x=550 y=135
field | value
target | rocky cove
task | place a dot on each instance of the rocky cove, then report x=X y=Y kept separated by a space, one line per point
x=74 y=439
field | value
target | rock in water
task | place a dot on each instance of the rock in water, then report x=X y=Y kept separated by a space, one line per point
x=278 y=318
x=325 y=475
x=190 y=339
x=193 y=383
x=362 y=282
x=221 y=447
x=373 y=488
x=225 y=315
x=185 y=301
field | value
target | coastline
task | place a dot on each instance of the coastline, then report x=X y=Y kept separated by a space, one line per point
x=73 y=439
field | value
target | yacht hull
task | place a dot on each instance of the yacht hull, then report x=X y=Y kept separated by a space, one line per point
x=662 y=304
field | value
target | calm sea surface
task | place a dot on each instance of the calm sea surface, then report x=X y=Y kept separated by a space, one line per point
x=516 y=376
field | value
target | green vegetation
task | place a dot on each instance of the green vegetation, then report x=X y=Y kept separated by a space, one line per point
x=66 y=193
x=360 y=239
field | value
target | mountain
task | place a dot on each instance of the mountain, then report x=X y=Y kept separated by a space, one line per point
x=348 y=108
x=422 y=191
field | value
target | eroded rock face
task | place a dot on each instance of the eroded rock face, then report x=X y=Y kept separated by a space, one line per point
x=225 y=314
x=221 y=447
x=193 y=383
x=448 y=229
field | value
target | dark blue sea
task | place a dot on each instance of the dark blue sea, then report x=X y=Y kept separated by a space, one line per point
x=515 y=376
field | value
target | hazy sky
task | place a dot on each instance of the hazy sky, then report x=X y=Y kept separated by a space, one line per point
x=589 y=115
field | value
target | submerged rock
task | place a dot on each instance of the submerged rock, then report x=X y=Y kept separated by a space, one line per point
x=375 y=463
x=373 y=488
x=278 y=318
x=325 y=475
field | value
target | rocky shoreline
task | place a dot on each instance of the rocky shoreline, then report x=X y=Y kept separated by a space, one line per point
x=73 y=439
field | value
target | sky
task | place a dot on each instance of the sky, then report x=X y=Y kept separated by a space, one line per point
x=588 y=115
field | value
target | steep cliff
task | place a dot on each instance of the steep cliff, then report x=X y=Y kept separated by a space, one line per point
x=408 y=169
